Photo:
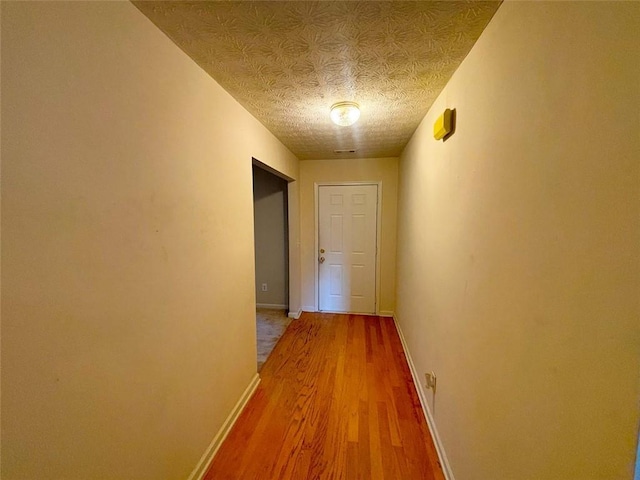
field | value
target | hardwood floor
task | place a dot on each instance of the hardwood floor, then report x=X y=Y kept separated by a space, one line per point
x=336 y=401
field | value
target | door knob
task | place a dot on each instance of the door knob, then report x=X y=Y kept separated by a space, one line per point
x=321 y=260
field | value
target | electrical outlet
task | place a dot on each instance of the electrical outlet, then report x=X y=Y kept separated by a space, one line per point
x=264 y=287
x=430 y=381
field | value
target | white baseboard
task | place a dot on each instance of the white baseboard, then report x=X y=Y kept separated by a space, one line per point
x=446 y=468
x=204 y=463
x=275 y=306
x=295 y=315
x=382 y=313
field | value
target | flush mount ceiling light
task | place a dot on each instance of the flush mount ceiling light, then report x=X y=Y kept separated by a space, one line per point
x=345 y=113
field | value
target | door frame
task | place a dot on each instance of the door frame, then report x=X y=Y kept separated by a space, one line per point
x=316 y=232
x=291 y=240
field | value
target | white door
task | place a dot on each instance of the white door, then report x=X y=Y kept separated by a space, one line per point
x=347 y=234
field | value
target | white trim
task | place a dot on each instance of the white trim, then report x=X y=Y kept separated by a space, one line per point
x=308 y=308
x=204 y=463
x=446 y=468
x=295 y=315
x=336 y=312
x=385 y=313
x=378 y=243
x=316 y=220
x=378 y=184
x=274 y=306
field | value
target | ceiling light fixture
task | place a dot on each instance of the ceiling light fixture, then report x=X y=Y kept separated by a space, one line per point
x=345 y=113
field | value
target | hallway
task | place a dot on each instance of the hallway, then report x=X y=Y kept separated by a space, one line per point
x=336 y=401
x=508 y=252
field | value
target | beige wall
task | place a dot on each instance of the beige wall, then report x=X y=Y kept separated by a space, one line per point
x=270 y=233
x=295 y=258
x=356 y=170
x=128 y=327
x=518 y=247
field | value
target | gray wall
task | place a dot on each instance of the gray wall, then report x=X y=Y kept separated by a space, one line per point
x=271 y=249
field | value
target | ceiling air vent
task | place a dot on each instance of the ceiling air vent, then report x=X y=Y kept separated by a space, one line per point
x=352 y=150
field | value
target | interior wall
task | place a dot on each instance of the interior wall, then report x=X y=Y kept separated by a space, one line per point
x=128 y=322
x=270 y=233
x=350 y=170
x=519 y=242
x=295 y=259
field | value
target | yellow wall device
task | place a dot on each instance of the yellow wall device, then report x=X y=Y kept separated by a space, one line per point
x=443 y=125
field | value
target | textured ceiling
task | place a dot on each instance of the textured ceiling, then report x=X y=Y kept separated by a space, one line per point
x=288 y=62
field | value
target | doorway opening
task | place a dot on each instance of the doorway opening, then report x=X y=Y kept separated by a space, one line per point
x=271 y=241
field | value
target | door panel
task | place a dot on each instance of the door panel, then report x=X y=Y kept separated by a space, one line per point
x=335 y=232
x=347 y=232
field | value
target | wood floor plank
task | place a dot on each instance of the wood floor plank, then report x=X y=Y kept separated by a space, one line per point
x=364 y=448
x=336 y=401
x=389 y=462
